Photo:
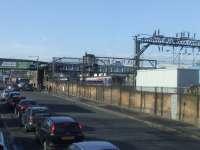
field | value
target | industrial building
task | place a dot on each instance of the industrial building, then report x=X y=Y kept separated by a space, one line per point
x=169 y=78
x=11 y=69
x=79 y=69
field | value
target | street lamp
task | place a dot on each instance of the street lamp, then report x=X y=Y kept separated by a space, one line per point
x=37 y=60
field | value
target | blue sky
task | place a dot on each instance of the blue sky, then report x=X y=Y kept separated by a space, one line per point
x=104 y=27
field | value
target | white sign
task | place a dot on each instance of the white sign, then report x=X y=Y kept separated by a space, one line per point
x=8 y=64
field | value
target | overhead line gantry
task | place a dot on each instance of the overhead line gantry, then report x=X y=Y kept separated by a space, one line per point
x=182 y=41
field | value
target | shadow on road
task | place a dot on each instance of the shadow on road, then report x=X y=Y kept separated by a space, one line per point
x=147 y=117
x=59 y=108
x=28 y=143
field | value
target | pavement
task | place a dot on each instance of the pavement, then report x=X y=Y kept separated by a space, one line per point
x=126 y=129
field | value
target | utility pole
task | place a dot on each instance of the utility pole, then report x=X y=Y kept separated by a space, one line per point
x=53 y=67
x=38 y=71
x=137 y=54
x=37 y=67
x=179 y=59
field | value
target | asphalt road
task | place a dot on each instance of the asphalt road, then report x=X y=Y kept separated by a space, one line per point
x=126 y=133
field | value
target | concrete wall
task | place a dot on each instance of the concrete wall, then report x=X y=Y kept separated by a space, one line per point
x=182 y=106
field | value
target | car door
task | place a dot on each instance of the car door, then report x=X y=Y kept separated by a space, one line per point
x=25 y=116
x=44 y=130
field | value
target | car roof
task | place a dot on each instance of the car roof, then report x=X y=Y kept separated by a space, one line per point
x=95 y=145
x=38 y=107
x=24 y=100
x=60 y=119
x=14 y=92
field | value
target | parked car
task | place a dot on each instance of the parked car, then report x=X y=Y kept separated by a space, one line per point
x=12 y=94
x=93 y=145
x=12 y=87
x=13 y=100
x=21 y=84
x=4 y=94
x=32 y=116
x=3 y=145
x=59 y=131
x=27 y=87
x=23 y=105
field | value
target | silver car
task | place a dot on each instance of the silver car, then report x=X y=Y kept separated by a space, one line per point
x=93 y=145
x=2 y=142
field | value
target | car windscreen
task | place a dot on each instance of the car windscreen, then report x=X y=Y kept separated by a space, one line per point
x=40 y=112
x=65 y=127
x=14 y=94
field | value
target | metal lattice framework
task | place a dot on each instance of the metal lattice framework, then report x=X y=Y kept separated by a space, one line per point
x=129 y=62
x=171 y=41
x=142 y=43
x=109 y=65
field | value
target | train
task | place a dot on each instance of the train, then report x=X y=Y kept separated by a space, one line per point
x=99 y=80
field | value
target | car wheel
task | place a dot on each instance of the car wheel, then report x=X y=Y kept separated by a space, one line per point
x=15 y=111
x=18 y=114
x=26 y=128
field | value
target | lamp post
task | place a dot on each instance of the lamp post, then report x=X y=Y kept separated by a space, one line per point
x=37 y=66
